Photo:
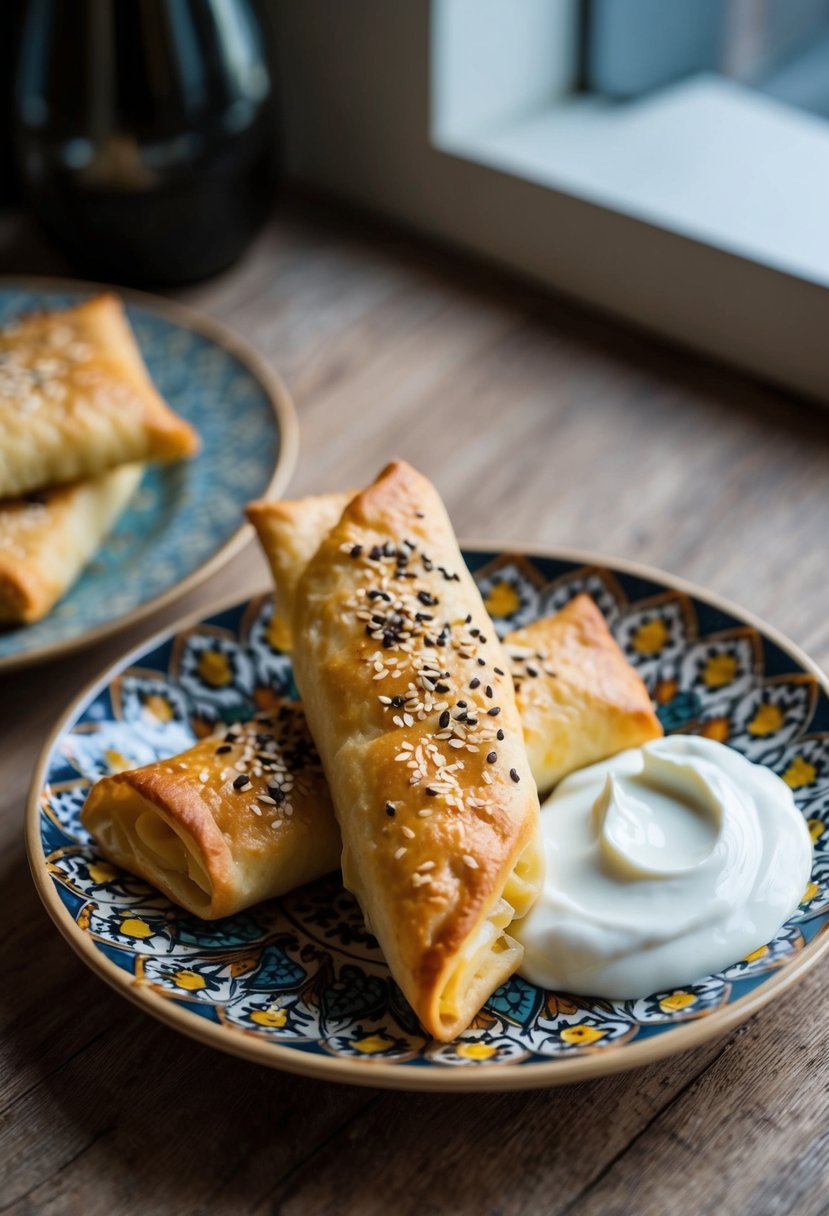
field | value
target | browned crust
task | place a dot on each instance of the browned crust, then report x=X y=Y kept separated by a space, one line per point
x=182 y=805
x=421 y=943
x=590 y=705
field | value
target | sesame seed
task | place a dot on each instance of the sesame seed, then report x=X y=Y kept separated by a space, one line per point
x=424 y=866
x=399 y=853
x=486 y=777
x=408 y=833
x=470 y=861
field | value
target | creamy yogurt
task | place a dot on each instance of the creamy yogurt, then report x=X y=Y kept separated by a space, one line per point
x=664 y=864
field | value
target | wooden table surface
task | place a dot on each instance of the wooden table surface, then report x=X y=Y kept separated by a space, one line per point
x=540 y=423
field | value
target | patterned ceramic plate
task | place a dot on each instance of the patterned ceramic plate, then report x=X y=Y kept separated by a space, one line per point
x=185 y=520
x=298 y=983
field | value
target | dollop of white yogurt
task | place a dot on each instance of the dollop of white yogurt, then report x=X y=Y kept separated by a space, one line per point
x=664 y=864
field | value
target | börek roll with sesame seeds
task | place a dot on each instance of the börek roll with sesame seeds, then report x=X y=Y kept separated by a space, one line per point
x=243 y=816
x=421 y=742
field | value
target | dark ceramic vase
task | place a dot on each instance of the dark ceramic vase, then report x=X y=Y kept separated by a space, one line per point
x=145 y=133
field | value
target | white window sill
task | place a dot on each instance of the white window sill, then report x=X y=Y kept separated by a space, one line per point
x=707 y=159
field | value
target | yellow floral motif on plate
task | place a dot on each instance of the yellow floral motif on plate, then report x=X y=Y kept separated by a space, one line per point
x=677 y=1001
x=800 y=772
x=189 y=980
x=502 y=600
x=581 y=1035
x=133 y=926
x=719 y=670
x=767 y=720
x=476 y=1051
x=102 y=871
x=651 y=637
x=214 y=668
x=270 y=1017
x=372 y=1044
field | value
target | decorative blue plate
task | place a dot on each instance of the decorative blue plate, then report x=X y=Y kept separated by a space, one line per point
x=185 y=520
x=298 y=983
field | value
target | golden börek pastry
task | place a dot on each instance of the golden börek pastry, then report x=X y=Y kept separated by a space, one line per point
x=409 y=699
x=579 y=698
x=46 y=539
x=76 y=400
x=243 y=816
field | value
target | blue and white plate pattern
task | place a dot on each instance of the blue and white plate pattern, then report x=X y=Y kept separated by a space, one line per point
x=301 y=977
x=181 y=515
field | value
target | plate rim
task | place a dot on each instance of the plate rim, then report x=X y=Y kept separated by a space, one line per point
x=504 y=1077
x=284 y=415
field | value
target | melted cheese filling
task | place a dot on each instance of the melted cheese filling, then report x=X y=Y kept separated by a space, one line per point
x=489 y=955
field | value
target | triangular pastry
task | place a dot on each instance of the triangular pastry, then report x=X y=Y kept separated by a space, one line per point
x=76 y=399
x=46 y=539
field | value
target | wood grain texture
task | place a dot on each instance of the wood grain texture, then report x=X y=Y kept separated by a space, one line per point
x=539 y=423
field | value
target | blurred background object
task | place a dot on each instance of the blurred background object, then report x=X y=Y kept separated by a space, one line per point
x=145 y=133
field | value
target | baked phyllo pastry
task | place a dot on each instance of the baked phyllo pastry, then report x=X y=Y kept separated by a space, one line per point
x=243 y=816
x=579 y=698
x=291 y=533
x=77 y=400
x=409 y=698
x=47 y=539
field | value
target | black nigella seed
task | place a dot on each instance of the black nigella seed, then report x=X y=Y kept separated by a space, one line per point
x=498 y=671
x=494 y=712
x=388 y=549
x=482 y=662
x=441 y=688
x=474 y=632
x=398 y=702
x=390 y=811
x=492 y=757
x=461 y=704
x=443 y=720
x=426 y=598
x=241 y=781
x=475 y=683
x=532 y=671
x=500 y=736
x=482 y=640
x=514 y=775
x=376 y=553
x=220 y=751
x=432 y=793
x=488 y=691
x=356 y=550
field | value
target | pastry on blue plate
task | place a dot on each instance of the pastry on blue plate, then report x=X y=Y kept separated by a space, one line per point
x=77 y=400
